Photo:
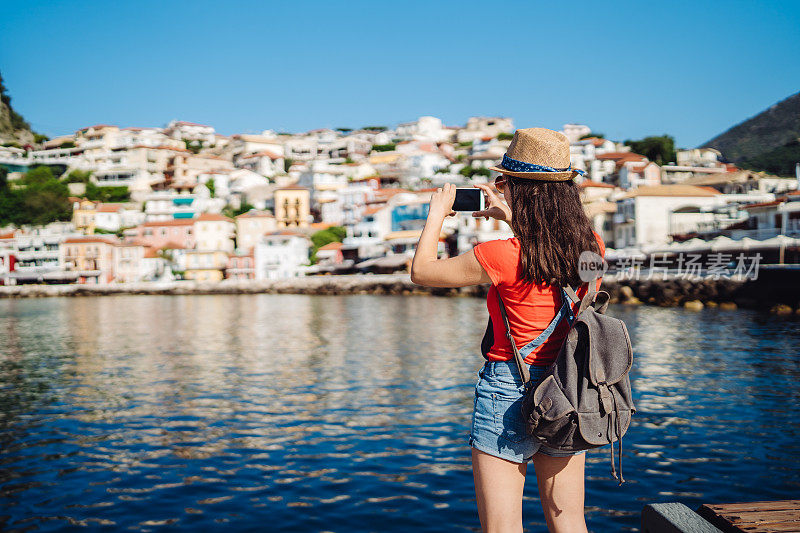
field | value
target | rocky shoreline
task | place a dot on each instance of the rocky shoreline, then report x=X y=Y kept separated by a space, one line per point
x=692 y=293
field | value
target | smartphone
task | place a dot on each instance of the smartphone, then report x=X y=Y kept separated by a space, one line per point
x=468 y=199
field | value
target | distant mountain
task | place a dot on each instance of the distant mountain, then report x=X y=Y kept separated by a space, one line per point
x=13 y=128
x=767 y=141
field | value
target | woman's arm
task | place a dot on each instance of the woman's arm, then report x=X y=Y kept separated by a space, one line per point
x=426 y=269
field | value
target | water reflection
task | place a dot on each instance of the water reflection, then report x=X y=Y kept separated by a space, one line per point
x=350 y=413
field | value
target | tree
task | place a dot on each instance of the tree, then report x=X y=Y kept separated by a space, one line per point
x=383 y=147
x=107 y=194
x=469 y=172
x=326 y=236
x=287 y=163
x=78 y=176
x=505 y=136
x=38 y=175
x=46 y=201
x=230 y=212
x=38 y=198
x=592 y=135
x=660 y=149
x=192 y=146
x=780 y=161
x=212 y=187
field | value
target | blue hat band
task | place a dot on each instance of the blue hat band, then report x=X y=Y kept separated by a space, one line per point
x=520 y=166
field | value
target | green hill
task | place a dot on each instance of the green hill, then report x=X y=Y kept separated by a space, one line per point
x=13 y=128
x=767 y=141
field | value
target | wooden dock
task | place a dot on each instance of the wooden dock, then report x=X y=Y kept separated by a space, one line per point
x=782 y=516
x=754 y=517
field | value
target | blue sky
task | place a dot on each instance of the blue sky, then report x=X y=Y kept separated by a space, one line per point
x=627 y=69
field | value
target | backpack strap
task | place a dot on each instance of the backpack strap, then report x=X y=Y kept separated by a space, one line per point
x=519 y=354
x=564 y=311
x=571 y=294
x=594 y=298
x=521 y=366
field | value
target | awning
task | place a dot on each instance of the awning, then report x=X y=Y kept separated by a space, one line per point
x=389 y=261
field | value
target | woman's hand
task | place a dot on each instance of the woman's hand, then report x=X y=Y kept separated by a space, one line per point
x=441 y=205
x=496 y=207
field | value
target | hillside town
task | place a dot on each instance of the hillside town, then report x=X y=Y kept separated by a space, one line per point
x=203 y=206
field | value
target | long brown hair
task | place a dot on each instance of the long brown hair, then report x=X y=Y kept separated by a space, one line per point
x=552 y=228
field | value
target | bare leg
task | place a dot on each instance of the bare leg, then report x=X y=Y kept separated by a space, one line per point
x=561 y=491
x=498 y=488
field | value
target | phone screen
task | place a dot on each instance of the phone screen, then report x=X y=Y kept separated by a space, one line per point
x=468 y=200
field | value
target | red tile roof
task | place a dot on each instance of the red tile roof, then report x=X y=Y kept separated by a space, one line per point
x=171 y=245
x=173 y=222
x=108 y=208
x=264 y=153
x=763 y=204
x=97 y=126
x=182 y=123
x=678 y=189
x=615 y=156
x=82 y=240
x=388 y=192
x=590 y=183
x=285 y=233
x=331 y=246
x=211 y=217
x=162 y=147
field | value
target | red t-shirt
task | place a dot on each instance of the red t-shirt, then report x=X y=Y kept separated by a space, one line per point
x=530 y=307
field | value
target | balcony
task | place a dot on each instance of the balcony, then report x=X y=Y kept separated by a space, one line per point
x=37 y=255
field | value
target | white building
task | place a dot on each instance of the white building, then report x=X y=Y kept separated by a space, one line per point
x=214 y=232
x=634 y=174
x=698 y=157
x=583 y=153
x=37 y=252
x=265 y=163
x=478 y=127
x=149 y=137
x=169 y=205
x=574 y=132
x=129 y=264
x=251 y=226
x=243 y=144
x=116 y=216
x=281 y=254
x=649 y=215
x=190 y=131
x=423 y=129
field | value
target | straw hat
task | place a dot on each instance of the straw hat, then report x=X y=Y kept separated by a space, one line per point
x=539 y=154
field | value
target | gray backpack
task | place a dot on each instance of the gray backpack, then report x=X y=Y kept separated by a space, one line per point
x=584 y=398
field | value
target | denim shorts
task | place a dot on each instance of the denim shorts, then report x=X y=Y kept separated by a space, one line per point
x=497 y=426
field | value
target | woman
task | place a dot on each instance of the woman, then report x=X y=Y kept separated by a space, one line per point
x=550 y=231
